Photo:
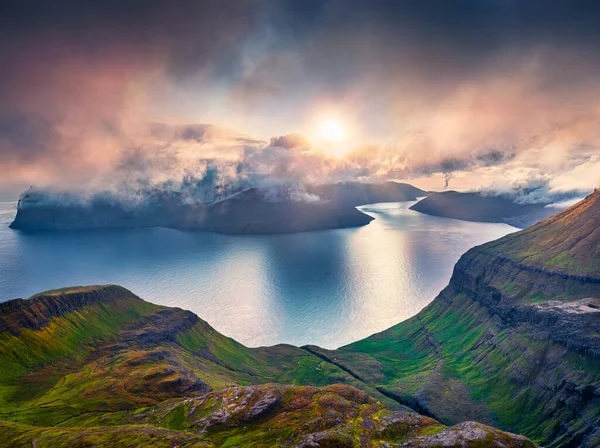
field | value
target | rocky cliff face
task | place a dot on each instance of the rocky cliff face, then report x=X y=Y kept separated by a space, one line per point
x=31 y=314
x=562 y=305
x=514 y=339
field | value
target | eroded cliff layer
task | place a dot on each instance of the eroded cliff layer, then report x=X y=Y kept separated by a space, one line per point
x=514 y=340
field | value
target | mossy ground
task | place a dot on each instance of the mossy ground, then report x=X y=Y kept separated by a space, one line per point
x=455 y=356
x=116 y=373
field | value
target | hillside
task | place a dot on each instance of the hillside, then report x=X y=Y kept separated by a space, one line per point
x=513 y=340
x=99 y=366
x=567 y=242
x=483 y=208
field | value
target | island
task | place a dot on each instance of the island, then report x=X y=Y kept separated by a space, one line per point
x=476 y=206
x=252 y=211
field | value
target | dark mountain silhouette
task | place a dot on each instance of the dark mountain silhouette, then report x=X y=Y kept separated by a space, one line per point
x=252 y=211
x=483 y=208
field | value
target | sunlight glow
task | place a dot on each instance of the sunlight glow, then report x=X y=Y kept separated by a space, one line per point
x=333 y=130
x=332 y=135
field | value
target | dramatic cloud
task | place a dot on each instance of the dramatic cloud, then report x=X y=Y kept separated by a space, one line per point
x=494 y=94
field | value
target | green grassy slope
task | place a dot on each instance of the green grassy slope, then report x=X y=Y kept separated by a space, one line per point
x=513 y=341
x=566 y=242
x=99 y=366
x=459 y=362
x=120 y=352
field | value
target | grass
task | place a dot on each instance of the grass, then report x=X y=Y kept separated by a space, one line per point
x=500 y=369
x=95 y=367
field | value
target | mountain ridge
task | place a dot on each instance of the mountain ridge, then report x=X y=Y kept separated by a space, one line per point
x=251 y=211
x=158 y=376
x=506 y=338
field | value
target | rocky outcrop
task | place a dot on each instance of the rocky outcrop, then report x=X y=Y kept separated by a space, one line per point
x=561 y=305
x=333 y=416
x=37 y=311
x=163 y=325
x=513 y=340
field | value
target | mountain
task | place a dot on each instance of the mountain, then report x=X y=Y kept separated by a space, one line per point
x=98 y=366
x=513 y=340
x=251 y=211
x=359 y=193
x=43 y=210
x=484 y=208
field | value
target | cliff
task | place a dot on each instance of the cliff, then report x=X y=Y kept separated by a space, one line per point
x=100 y=366
x=513 y=340
x=483 y=208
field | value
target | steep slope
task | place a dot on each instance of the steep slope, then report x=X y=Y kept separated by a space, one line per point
x=513 y=340
x=99 y=366
x=42 y=210
x=483 y=208
x=567 y=242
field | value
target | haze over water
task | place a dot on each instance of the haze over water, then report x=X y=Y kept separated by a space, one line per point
x=327 y=288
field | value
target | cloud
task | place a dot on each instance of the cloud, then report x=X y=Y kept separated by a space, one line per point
x=290 y=141
x=582 y=177
x=472 y=94
x=80 y=79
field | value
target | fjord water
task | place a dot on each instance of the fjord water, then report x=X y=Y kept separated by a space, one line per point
x=327 y=288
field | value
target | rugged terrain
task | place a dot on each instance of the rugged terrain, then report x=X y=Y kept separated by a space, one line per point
x=253 y=211
x=483 y=208
x=98 y=366
x=513 y=341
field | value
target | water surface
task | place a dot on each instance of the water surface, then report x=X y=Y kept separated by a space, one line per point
x=327 y=288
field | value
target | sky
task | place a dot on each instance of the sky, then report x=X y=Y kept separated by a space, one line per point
x=498 y=95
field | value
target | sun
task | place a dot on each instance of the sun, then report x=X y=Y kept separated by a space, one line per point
x=331 y=133
x=332 y=130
